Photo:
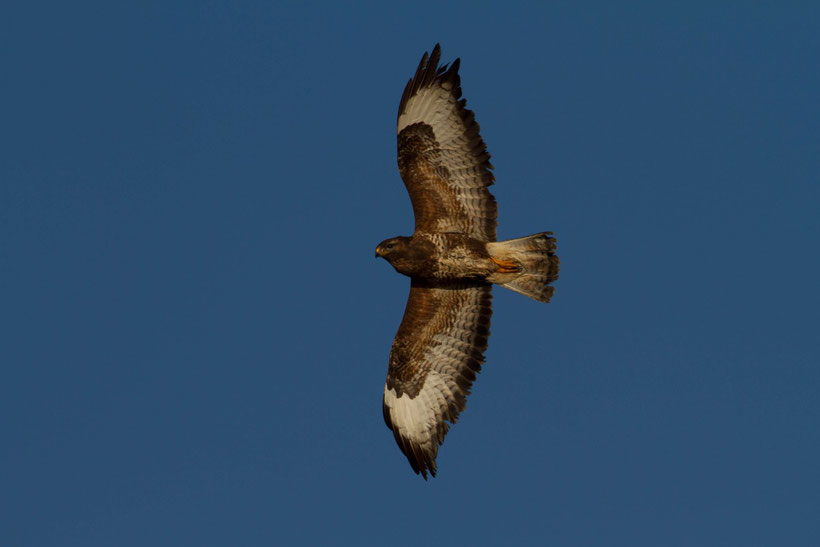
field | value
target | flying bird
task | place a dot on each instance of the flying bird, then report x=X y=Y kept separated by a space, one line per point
x=452 y=259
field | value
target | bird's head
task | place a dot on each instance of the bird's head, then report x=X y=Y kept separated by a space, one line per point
x=392 y=248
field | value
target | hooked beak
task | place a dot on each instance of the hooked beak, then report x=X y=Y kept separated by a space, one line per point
x=378 y=251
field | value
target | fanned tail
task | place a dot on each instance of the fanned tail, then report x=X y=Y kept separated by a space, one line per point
x=537 y=265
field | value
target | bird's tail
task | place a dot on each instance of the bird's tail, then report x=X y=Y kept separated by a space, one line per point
x=527 y=265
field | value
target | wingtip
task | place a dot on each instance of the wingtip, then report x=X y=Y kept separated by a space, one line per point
x=421 y=461
x=425 y=467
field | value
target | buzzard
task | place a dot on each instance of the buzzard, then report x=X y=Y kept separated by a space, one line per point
x=452 y=259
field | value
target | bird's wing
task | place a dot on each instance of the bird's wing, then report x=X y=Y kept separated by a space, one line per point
x=436 y=354
x=442 y=159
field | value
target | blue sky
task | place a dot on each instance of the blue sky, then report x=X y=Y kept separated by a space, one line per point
x=194 y=332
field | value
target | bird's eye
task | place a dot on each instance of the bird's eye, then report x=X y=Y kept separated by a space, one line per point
x=389 y=245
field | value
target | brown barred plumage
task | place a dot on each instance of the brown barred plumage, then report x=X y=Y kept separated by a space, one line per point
x=452 y=259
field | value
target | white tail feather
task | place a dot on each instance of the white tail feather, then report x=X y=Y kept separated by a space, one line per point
x=538 y=265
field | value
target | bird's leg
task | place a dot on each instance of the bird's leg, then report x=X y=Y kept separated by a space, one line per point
x=506 y=266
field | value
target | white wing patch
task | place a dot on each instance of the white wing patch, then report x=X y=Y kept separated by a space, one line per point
x=436 y=107
x=431 y=105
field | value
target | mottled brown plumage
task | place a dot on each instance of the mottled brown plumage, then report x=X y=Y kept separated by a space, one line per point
x=452 y=259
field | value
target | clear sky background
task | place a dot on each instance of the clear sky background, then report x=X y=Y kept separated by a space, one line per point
x=194 y=332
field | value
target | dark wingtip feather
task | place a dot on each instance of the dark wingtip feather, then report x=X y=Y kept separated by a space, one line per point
x=427 y=73
x=421 y=461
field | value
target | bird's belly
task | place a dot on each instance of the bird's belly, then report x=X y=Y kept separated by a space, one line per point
x=456 y=266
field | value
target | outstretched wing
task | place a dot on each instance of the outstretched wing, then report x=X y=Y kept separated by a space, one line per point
x=436 y=354
x=442 y=159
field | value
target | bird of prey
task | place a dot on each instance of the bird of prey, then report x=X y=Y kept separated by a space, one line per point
x=452 y=259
